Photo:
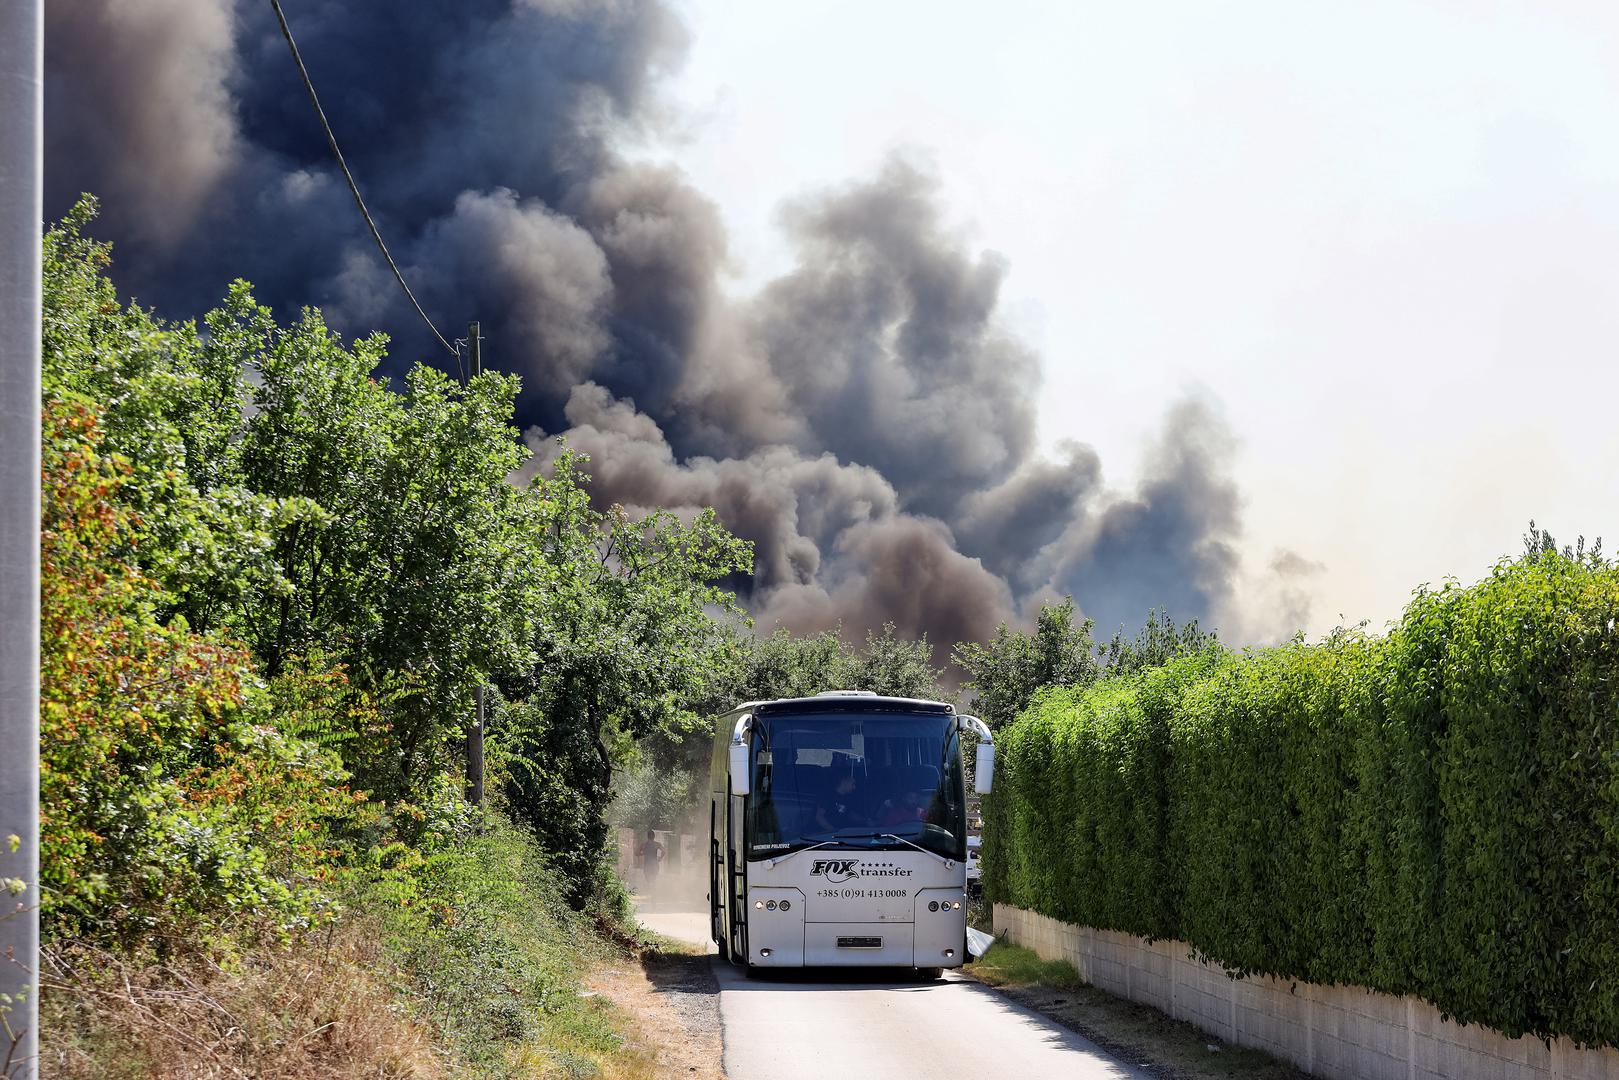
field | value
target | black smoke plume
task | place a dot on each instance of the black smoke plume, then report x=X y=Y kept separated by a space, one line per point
x=867 y=419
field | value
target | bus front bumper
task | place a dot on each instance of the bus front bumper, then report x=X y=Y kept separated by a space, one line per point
x=779 y=937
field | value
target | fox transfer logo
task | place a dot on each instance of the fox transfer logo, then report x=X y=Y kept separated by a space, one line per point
x=840 y=870
x=836 y=870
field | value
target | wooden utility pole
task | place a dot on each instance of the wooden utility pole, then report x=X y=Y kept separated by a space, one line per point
x=22 y=62
x=475 y=732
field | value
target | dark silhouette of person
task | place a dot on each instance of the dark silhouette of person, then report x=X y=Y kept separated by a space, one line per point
x=651 y=855
x=843 y=807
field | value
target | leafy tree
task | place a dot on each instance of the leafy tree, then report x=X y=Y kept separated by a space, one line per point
x=169 y=407
x=622 y=643
x=1157 y=643
x=1006 y=673
x=782 y=666
x=890 y=664
x=1539 y=543
x=647 y=797
x=293 y=501
x=168 y=797
x=408 y=561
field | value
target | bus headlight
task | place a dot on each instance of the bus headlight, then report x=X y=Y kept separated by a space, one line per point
x=933 y=905
x=770 y=905
x=759 y=905
x=786 y=905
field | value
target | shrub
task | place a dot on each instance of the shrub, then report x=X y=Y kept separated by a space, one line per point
x=477 y=924
x=1078 y=825
x=1435 y=812
x=169 y=801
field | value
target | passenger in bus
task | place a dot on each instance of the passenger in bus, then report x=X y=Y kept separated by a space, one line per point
x=843 y=807
x=911 y=806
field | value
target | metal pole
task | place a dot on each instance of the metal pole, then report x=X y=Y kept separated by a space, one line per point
x=475 y=732
x=22 y=60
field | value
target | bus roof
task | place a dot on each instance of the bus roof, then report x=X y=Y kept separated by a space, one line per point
x=845 y=701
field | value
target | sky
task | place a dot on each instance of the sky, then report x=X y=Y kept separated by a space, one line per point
x=1264 y=314
x=1377 y=239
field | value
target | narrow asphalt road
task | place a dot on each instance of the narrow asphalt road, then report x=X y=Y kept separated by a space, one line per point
x=839 y=1024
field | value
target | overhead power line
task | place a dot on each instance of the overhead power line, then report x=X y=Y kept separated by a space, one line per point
x=331 y=140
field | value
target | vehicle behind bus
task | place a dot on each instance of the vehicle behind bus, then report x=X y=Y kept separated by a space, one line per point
x=839 y=832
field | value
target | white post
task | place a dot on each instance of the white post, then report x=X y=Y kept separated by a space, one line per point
x=22 y=40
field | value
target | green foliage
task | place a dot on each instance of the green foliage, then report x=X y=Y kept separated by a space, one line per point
x=1435 y=812
x=490 y=952
x=1013 y=965
x=1260 y=789
x=1157 y=643
x=290 y=500
x=623 y=643
x=1080 y=815
x=784 y=666
x=1011 y=669
x=646 y=797
x=169 y=799
x=310 y=518
x=167 y=406
x=1007 y=672
x=890 y=664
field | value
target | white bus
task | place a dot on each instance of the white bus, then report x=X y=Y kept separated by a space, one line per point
x=839 y=832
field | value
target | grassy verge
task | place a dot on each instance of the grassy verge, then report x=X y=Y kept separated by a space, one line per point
x=464 y=964
x=1011 y=965
x=1138 y=1034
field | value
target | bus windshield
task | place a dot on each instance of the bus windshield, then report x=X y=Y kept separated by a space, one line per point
x=859 y=780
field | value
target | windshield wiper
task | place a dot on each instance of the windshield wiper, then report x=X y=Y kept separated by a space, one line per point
x=840 y=837
x=810 y=847
x=894 y=836
x=833 y=838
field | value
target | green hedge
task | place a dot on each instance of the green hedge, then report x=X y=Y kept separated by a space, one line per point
x=1434 y=812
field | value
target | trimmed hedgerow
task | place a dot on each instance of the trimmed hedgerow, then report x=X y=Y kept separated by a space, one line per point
x=1434 y=812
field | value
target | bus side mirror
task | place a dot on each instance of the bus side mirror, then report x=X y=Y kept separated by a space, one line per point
x=984 y=768
x=739 y=768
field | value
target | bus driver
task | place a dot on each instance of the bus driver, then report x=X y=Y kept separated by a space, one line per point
x=841 y=810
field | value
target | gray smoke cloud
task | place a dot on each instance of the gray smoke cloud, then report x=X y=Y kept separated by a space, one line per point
x=886 y=339
x=1173 y=538
x=153 y=132
x=867 y=419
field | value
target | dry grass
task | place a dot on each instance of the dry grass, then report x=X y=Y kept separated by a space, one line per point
x=660 y=1043
x=322 y=1009
x=315 y=1010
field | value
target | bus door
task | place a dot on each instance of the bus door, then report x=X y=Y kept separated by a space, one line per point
x=738 y=877
x=716 y=875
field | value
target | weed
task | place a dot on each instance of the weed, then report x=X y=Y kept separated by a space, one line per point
x=1013 y=965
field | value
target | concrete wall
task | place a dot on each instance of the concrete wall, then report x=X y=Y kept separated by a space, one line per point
x=1341 y=1032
